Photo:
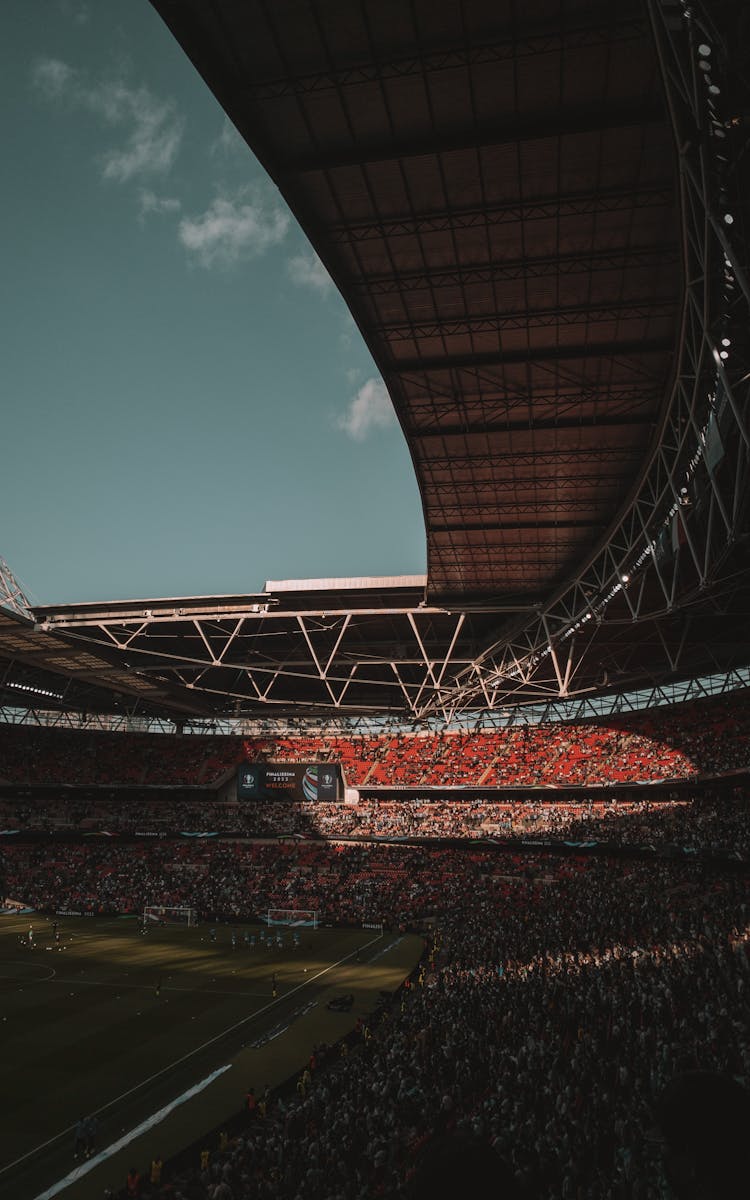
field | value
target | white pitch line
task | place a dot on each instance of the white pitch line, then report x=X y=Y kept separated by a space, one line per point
x=144 y=1126
x=25 y=979
x=171 y=1066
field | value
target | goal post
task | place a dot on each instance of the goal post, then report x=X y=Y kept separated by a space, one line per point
x=164 y=914
x=293 y=917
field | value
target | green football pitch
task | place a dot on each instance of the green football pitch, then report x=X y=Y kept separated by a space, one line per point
x=162 y=1033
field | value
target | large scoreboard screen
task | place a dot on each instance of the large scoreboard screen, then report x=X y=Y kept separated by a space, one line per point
x=289 y=781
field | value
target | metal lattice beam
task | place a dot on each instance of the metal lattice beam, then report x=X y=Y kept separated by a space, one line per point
x=451 y=58
x=12 y=595
x=516 y=212
x=670 y=544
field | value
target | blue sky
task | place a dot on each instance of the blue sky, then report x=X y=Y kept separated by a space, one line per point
x=187 y=406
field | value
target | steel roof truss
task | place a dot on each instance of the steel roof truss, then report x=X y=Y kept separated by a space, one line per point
x=199 y=627
x=249 y=675
x=549 y=266
x=410 y=703
x=324 y=668
x=661 y=504
x=349 y=680
x=516 y=212
x=451 y=647
x=238 y=626
x=12 y=595
x=428 y=664
x=449 y=58
x=626 y=310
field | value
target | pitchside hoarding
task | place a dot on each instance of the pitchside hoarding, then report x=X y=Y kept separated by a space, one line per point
x=289 y=781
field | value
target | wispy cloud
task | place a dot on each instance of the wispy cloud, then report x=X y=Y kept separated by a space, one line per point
x=370 y=409
x=229 y=142
x=306 y=270
x=235 y=227
x=348 y=331
x=150 y=203
x=155 y=135
x=152 y=127
x=53 y=78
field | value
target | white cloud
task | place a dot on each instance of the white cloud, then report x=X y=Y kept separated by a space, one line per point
x=151 y=203
x=53 y=78
x=348 y=330
x=306 y=270
x=235 y=228
x=155 y=134
x=370 y=409
x=153 y=127
x=229 y=141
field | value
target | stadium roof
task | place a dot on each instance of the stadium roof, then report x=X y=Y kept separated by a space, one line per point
x=493 y=188
x=559 y=308
x=338 y=645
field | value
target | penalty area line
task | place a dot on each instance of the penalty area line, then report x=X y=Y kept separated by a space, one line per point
x=129 y=1137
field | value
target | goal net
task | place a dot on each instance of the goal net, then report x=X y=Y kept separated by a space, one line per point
x=293 y=916
x=161 y=914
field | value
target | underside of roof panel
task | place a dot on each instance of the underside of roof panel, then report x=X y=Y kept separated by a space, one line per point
x=492 y=187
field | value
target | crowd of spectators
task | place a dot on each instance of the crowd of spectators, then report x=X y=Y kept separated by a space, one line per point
x=555 y=999
x=704 y=821
x=556 y=996
x=239 y=881
x=546 y=1017
x=121 y=812
x=37 y=756
x=677 y=742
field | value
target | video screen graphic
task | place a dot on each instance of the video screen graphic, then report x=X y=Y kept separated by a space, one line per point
x=289 y=781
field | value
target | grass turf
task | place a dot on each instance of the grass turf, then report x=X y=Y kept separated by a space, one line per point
x=120 y=1024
